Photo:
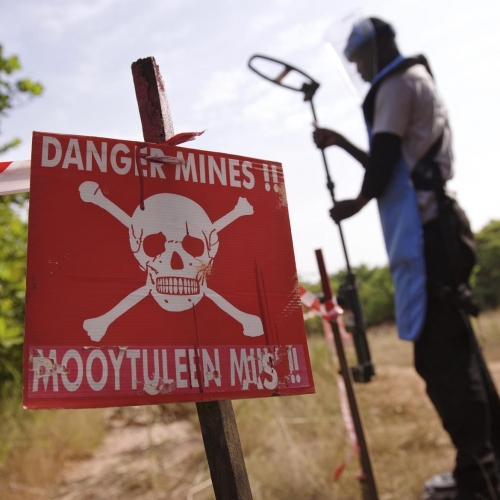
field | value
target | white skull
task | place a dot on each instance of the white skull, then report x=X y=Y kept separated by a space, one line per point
x=175 y=241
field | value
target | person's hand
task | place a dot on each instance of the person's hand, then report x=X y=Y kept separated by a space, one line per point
x=347 y=208
x=324 y=137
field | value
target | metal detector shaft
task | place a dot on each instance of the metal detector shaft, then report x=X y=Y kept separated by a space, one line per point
x=331 y=186
x=280 y=76
x=365 y=370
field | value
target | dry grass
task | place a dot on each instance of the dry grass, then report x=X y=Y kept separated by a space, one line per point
x=292 y=445
x=35 y=445
x=488 y=330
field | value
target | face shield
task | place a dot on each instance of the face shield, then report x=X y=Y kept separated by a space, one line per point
x=352 y=37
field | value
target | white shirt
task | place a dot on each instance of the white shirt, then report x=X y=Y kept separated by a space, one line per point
x=408 y=105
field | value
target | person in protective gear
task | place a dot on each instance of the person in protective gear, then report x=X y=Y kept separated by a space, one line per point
x=429 y=243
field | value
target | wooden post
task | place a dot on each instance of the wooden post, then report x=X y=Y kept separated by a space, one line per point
x=217 y=421
x=223 y=449
x=367 y=480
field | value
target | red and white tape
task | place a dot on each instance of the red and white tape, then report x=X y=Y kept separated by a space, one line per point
x=308 y=299
x=349 y=425
x=331 y=311
x=14 y=177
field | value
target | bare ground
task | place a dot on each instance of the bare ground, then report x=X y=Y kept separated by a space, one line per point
x=144 y=458
x=291 y=445
x=141 y=457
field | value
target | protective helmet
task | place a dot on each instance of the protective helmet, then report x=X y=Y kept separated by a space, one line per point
x=366 y=30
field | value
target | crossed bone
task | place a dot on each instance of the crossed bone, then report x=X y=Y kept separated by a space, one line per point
x=96 y=328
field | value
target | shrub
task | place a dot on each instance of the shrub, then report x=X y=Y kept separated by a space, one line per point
x=486 y=276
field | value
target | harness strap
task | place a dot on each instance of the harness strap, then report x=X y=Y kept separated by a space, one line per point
x=426 y=175
x=455 y=229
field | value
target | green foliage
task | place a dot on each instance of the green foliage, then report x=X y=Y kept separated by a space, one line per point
x=13 y=238
x=376 y=293
x=14 y=92
x=376 y=289
x=313 y=325
x=13 y=234
x=486 y=277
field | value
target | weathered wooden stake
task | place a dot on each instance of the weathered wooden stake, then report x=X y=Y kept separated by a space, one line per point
x=368 y=485
x=217 y=421
x=223 y=449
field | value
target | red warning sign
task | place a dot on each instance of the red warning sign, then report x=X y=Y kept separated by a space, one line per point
x=158 y=274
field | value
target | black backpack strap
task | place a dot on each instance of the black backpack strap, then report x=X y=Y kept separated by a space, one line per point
x=426 y=175
x=459 y=246
x=433 y=150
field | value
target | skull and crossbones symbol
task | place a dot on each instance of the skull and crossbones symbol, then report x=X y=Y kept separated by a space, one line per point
x=175 y=243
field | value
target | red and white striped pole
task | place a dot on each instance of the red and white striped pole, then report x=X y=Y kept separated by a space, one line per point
x=367 y=479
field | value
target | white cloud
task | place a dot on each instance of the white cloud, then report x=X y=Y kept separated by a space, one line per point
x=299 y=37
x=60 y=17
x=82 y=50
x=222 y=87
x=264 y=22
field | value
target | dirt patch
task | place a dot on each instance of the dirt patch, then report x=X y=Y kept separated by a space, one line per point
x=140 y=458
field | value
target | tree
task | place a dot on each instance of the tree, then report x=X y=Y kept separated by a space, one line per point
x=376 y=290
x=376 y=293
x=14 y=92
x=486 y=276
x=13 y=233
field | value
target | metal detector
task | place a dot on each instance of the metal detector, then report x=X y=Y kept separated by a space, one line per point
x=287 y=76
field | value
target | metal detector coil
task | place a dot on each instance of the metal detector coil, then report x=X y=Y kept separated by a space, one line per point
x=308 y=88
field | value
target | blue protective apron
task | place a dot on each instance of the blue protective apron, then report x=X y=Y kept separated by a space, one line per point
x=403 y=235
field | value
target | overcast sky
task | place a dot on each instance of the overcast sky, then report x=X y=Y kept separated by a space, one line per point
x=82 y=50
